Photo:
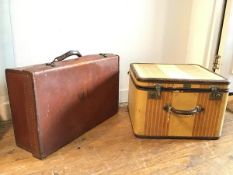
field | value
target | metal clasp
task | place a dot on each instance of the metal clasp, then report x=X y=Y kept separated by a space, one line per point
x=105 y=55
x=215 y=93
x=155 y=94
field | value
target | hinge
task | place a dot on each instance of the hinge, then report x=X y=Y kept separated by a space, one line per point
x=215 y=93
x=156 y=93
x=216 y=63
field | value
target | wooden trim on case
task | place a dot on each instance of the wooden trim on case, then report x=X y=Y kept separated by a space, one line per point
x=169 y=137
x=191 y=90
x=168 y=80
x=176 y=137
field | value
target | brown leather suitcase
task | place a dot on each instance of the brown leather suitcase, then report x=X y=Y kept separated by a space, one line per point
x=52 y=104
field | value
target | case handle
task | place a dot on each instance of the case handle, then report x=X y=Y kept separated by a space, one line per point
x=64 y=56
x=169 y=108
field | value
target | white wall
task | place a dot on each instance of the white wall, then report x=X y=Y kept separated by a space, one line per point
x=201 y=19
x=134 y=29
x=175 y=31
x=137 y=30
x=226 y=45
x=166 y=31
x=6 y=56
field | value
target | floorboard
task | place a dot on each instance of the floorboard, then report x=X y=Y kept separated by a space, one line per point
x=111 y=148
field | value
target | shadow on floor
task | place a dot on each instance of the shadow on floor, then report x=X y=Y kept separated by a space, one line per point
x=4 y=127
x=230 y=106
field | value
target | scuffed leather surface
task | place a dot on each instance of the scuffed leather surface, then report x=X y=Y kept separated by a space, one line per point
x=71 y=98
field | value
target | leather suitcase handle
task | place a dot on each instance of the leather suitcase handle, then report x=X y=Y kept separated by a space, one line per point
x=193 y=111
x=64 y=56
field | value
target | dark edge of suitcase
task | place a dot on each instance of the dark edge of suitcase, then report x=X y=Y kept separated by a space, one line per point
x=54 y=103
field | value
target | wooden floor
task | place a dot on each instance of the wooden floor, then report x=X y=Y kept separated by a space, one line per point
x=111 y=148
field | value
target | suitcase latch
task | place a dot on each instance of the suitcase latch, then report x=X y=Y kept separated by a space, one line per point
x=105 y=55
x=155 y=94
x=215 y=93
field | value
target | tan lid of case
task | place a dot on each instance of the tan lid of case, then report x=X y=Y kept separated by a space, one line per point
x=188 y=72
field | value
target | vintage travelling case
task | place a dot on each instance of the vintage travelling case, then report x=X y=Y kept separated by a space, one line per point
x=176 y=101
x=54 y=103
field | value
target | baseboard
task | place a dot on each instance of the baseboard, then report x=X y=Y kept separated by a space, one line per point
x=5 y=113
x=123 y=96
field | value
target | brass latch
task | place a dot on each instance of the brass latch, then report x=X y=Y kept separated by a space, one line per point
x=156 y=93
x=215 y=93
